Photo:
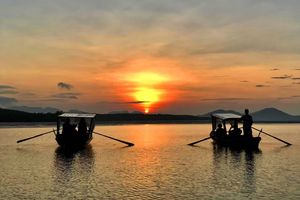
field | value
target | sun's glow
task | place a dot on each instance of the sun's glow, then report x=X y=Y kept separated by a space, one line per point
x=148 y=95
x=146 y=110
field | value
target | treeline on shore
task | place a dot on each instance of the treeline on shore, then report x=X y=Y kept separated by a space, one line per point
x=7 y=115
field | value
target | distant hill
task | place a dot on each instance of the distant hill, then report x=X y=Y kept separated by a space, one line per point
x=34 y=109
x=264 y=115
x=273 y=114
x=124 y=112
x=220 y=111
x=7 y=115
x=77 y=111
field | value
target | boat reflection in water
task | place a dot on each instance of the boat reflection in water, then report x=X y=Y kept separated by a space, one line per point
x=73 y=172
x=234 y=169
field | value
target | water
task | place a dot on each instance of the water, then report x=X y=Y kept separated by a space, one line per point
x=159 y=166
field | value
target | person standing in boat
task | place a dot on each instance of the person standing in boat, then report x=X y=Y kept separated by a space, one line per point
x=247 y=124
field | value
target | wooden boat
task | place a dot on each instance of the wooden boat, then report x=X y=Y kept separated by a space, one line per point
x=75 y=130
x=230 y=140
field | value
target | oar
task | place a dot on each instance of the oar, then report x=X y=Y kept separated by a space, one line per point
x=272 y=136
x=34 y=136
x=128 y=143
x=199 y=141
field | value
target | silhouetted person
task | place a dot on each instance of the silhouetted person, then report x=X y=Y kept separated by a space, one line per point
x=220 y=132
x=82 y=127
x=236 y=131
x=247 y=123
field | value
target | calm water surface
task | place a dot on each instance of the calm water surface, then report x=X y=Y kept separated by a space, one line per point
x=159 y=166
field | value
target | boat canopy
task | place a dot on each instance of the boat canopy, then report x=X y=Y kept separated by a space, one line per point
x=226 y=116
x=77 y=119
x=221 y=118
x=77 y=115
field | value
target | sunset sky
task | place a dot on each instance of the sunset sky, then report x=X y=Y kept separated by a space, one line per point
x=169 y=56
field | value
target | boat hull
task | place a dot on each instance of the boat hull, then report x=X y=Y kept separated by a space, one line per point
x=240 y=142
x=73 y=142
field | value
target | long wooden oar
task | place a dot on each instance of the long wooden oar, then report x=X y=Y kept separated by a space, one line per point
x=271 y=136
x=34 y=137
x=128 y=143
x=199 y=141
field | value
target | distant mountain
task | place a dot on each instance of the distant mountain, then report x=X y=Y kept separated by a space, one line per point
x=124 y=112
x=137 y=112
x=273 y=114
x=34 y=109
x=77 y=111
x=264 y=115
x=118 y=112
x=220 y=111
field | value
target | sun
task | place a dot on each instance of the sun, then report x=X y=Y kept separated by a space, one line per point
x=146 y=111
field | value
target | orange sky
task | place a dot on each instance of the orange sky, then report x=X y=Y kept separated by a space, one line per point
x=174 y=58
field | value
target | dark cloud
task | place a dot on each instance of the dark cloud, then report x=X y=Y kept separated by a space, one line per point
x=6 y=101
x=297 y=83
x=281 y=77
x=8 y=92
x=275 y=69
x=64 y=86
x=132 y=102
x=296 y=96
x=262 y=86
x=6 y=87
x=227 y=99
x=66 y=95
x=296 y=69
x=296 y=78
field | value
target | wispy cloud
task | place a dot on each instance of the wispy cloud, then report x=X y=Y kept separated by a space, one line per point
x=297 y=83
x=227 y=99
x=6 y=87
x=296 y=78
x=275 y=69
x=8 y=92
x=262 y=86
x=62 y=85
x=132 y=102
x=66 y=95
x=281 y=77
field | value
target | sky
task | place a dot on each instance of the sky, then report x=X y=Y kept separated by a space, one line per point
x=170 y=56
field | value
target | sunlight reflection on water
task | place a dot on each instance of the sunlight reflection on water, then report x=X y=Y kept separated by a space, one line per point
x=159 y=166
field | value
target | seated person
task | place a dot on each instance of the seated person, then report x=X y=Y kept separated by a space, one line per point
x=82 y=127
x=235 y=132
x=220 y=132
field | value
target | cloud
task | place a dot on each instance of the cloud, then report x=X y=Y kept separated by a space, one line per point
x=62 y=85
x=6 y=101
x=297 y=83
x=227 y=99
x=296 y=78
x=275 y=69
x=6 y=87
x=66 y=95
x=243 y=81
x=132 y=102
x=262 y=86
x=8 y=92
x=296 y=69
x=296 y=96
x=281 y=77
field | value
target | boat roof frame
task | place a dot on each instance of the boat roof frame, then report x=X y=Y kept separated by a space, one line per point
x=77 y=115
x=226 y=116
